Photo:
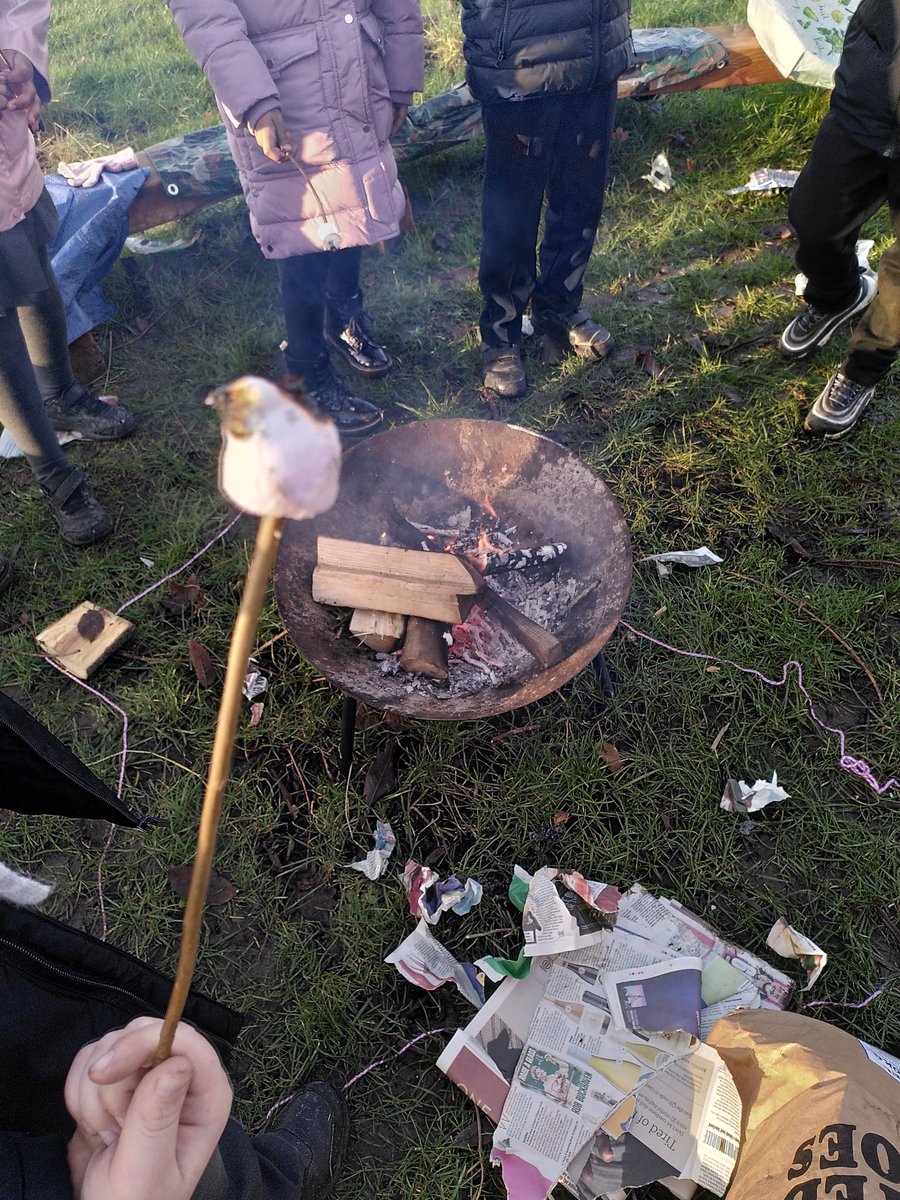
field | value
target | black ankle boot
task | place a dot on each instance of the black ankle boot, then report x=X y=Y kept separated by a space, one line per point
x=317 y=1125
x=348 y=330
x=80 y=411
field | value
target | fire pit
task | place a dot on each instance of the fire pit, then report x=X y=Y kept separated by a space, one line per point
x=426 y=473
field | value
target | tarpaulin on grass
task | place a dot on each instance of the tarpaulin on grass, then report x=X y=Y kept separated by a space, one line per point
x=93 y=225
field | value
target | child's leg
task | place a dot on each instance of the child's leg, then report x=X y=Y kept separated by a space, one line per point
x=841 y=186
x=574 y=199
x=518 y=139
x=22 y=407
x=343 y=293
x=876 y=339
x=303 y=282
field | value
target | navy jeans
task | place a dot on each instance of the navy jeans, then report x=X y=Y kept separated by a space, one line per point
x=842 y=185
x=309 y=283
x=557 y=146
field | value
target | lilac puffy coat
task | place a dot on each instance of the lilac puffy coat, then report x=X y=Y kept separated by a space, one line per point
x=334 y=67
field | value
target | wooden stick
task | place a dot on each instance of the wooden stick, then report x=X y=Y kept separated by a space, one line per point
x=267 y=538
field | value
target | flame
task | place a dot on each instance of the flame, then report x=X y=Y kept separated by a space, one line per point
x=488 y=507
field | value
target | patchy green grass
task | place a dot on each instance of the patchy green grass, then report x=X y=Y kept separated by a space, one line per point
x=707 y=452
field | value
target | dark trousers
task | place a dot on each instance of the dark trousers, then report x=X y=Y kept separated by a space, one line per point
x=309 y=283
x=556 y=146
x=842 y=185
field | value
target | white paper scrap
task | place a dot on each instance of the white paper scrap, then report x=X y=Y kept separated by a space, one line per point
x=701 y=557
x=785 y=940
x=741 y=798
x=374 y=865
x=660 y=176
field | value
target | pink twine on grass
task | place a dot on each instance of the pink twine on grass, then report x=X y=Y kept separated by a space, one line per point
x=855 y=766
x=365 y=1071
x=845 y=1003
x=124 y=715
x=165 y=579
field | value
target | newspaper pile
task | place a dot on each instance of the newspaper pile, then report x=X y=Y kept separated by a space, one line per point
x=593 y=1065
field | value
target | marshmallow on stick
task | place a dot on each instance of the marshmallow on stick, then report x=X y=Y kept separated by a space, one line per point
x=279 y=460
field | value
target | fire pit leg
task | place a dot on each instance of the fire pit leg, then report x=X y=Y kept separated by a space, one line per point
x=607 y=683
x=348 y=734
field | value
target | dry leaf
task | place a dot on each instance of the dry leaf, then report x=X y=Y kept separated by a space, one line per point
x=202 y=664
x=786 y=536
x=611 y=756
x=220 y=890
x=256 y=712
x=648 y=362
x=381 y=776
x=91 y=624
x=560 y=818
x=184 y=596
x=620 y=135
x=712 y=670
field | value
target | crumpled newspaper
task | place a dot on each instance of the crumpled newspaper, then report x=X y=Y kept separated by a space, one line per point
x=739 y=797
x=660 y=176
x=430 y=897
x=785 y=940
x=86 y=174
x=255 y=684
x=374 y=865
x=701 y=557
x=766 y=179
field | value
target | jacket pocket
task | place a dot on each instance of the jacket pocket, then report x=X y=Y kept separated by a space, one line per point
x=279 y=57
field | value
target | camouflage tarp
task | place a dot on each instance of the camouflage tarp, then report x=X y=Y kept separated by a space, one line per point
x=199 y=164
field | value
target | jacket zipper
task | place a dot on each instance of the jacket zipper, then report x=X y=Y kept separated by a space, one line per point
x=82 y=979
x=596 y=53
x=504 y=27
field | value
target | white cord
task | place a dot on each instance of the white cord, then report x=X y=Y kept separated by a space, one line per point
x=327 y=230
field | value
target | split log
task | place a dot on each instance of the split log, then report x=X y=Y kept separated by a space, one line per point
x=412 y=597
x=380 y=631
x=443 y=571
x=425 y=649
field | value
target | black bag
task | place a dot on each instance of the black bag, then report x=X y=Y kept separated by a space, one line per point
x=60 y=988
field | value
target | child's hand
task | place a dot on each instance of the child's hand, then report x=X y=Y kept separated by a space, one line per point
x=272 y=136
x=144 y=1134
x=401 y=111
x=17 y=90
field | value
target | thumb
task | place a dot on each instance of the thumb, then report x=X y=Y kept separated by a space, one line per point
x=148 y=1142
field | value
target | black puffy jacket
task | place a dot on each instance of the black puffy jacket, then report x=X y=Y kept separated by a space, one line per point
x=866 y=98
x=516 y=49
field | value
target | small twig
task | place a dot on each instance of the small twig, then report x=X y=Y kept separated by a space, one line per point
x=270 y=642
x=501 y=737
x=857 y=562
x=589 y=590
x=837 y=637
x=267 y=539
x=299 y=774
x=489 y=933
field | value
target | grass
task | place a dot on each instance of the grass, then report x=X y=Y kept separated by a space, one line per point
x=708 y=452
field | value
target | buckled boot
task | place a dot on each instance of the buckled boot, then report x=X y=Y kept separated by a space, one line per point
x=349 y=331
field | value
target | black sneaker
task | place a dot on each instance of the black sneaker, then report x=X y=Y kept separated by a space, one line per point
x=79 y=516
x=355 y=341
x=350 y=414
x=317 y=1124
x=837 y=407
x=811 y=329
x=575 y=333
x=80 y=411
x=502 y=370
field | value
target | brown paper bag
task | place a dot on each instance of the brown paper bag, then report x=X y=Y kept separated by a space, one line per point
x=821 y=1121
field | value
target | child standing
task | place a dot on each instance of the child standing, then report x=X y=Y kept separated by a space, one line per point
x=545 y=72
x=310 y=92
x=38 y=392
x=852 y=170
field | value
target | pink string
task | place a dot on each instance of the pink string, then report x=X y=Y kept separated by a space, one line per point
x=845 y=1003
x=165 y=579
x=365 y=1071
x=124 y=715
x=855 y=766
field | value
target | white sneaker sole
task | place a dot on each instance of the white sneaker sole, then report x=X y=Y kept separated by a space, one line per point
x=870 y=288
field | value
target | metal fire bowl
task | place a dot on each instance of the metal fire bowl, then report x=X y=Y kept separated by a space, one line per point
x=426 y=471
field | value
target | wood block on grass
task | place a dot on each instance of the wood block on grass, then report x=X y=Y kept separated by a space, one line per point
x=83 y=638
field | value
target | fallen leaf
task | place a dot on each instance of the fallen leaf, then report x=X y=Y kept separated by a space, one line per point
x=620 y=135
x=381 y=776
x=220 y=890
x=723 y=311
x=91 y=624
x=560 y=818
x=712 y=670
x=202 y=664
x=786 y=537
x=256 y=712
x=648 y=362
x=611 y=756
x=458 y=333
x=689 y=163
x=441 y=240
x=184 y=596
